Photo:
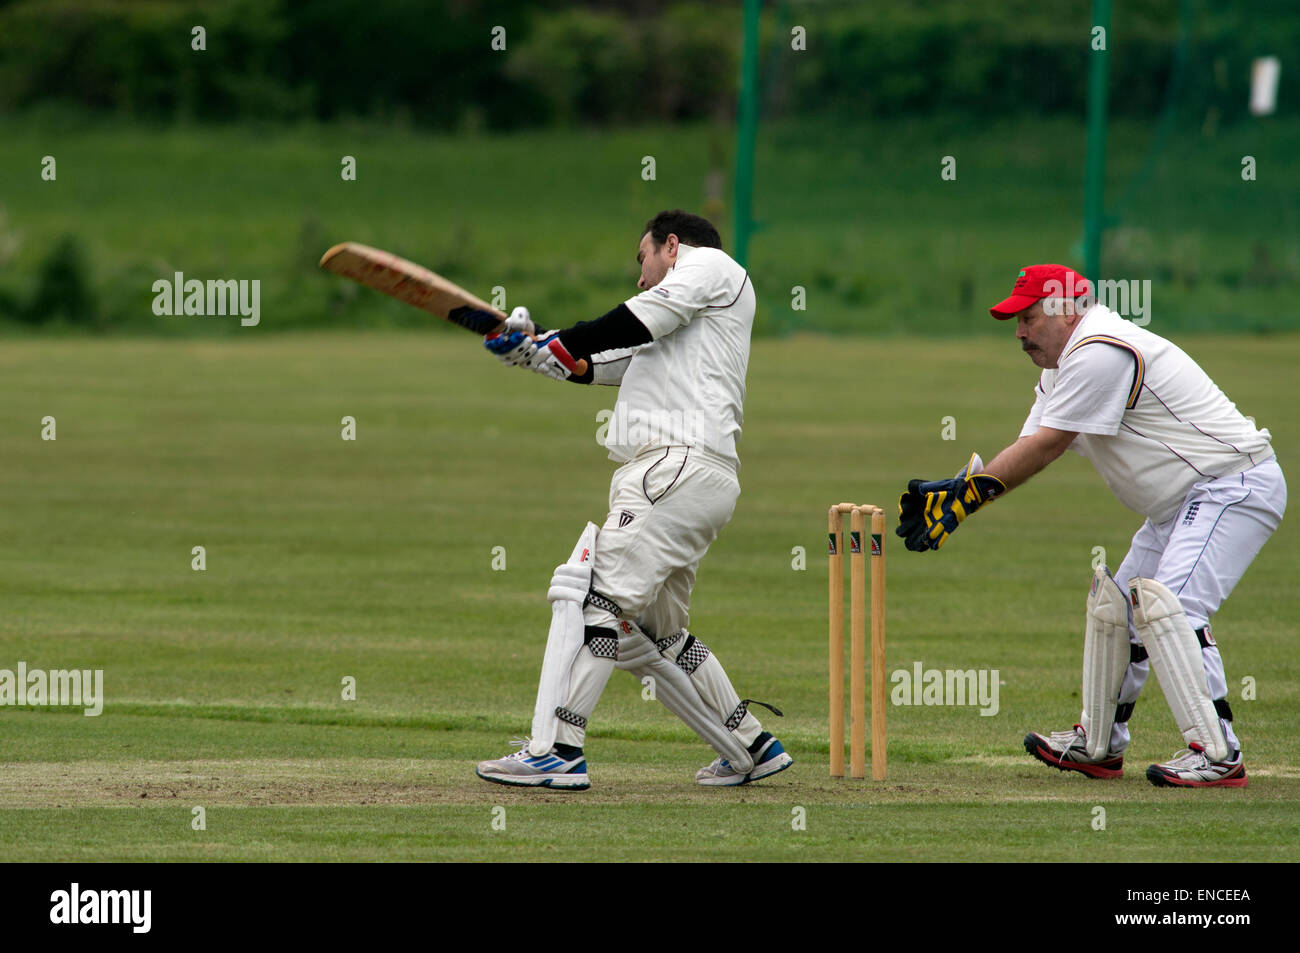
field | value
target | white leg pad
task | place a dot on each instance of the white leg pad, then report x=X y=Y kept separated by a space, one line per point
x=637 y=654
x=568 y=591
x=1175 y=657
x=711 y=681
x=1105 y=660
x=587 y=680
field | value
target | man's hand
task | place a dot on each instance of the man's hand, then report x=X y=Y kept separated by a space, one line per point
x=520 y=320
x=514 y=342
x=550 y=357
x=521 y=343
x=930 y=512
x=545 y=354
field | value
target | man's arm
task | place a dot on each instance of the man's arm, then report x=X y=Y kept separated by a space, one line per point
x=1018 y=462
x=524 y=343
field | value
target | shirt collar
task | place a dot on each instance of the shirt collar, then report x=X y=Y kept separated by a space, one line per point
x=1097 y=312
x=684 y=252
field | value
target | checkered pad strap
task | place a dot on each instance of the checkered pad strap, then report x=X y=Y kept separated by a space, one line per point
x=572 y=717
x=693 y=654
x=594 y=598
x=736 y=717
x=663 y=645
x=603 y=643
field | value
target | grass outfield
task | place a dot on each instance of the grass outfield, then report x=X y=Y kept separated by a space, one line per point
x=856 y=215
x=373 y=559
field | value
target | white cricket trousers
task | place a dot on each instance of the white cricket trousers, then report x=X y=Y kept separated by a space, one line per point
x=666 y=507
x=1200 y=554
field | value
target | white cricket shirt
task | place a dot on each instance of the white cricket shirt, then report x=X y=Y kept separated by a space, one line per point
x=687 y=386
x=1150 y=420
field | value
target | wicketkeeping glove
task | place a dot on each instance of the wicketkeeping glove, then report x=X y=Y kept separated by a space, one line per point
x=930 y=512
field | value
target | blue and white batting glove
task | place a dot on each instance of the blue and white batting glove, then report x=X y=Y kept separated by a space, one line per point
x=550 y=357
x=514 y=341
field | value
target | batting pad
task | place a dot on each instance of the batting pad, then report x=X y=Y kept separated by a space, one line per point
x=1175 y=657
x=1105 y=660
x=568 y=591
x=638 y=654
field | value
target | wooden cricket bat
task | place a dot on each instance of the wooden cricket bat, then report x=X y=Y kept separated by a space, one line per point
x=422 y=288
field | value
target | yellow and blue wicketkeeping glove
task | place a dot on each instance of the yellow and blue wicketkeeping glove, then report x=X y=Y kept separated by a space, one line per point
x=930 y=512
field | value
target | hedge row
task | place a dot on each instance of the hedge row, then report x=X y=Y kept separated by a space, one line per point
x=431 y=62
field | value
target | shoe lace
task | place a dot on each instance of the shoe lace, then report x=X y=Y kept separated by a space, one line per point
x=1067 y=740
x=1189 y=758
x=523 y=752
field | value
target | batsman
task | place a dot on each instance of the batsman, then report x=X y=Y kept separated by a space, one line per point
x=678 y=351
x=1172 y=447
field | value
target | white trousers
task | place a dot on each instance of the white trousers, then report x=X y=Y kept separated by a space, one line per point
x=1200 y=554
x=666 y=507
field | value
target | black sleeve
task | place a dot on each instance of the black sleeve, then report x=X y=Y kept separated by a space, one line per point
x=614 y=329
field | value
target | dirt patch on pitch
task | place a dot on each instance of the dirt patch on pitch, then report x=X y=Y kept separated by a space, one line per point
x=251 y=782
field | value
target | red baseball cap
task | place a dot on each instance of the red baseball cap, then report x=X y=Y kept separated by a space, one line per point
x=1039 y=281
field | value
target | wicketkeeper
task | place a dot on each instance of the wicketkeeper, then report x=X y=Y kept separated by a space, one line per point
x=678 y=352
x=1173 y=448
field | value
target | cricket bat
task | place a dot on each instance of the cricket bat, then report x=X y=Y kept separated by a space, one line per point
x=424 y=289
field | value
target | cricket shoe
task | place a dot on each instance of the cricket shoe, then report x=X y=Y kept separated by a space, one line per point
x=1067 y=751
x=1193 y=769
x=769 y=758
x=524 y=769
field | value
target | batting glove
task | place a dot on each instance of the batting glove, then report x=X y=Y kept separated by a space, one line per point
x=930 y=512
x=520 y=320
x=514 y=341
x=550 y=357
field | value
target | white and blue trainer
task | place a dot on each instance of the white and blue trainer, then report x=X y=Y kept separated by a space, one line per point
x=769 y=758
x=524 y=769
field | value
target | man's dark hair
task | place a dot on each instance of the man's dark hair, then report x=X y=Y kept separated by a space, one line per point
x=689 y=229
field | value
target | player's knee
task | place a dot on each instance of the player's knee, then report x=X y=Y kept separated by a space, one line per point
x=684 y=649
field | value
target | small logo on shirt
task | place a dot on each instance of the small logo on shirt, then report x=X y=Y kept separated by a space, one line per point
x=1192 y=510
x=661 y=292
x=1208 y=636
x=624 y=518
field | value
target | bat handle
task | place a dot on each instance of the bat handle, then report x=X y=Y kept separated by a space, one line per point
x=575 y=366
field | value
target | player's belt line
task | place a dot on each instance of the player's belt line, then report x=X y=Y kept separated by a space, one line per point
x=697 y=453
